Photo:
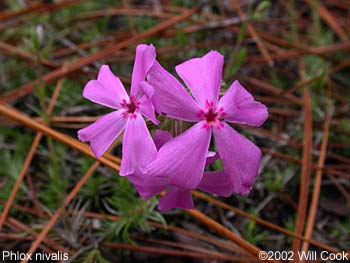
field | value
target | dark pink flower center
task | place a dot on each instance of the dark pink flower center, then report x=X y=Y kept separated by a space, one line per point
x=130 y=107
x=211 y=114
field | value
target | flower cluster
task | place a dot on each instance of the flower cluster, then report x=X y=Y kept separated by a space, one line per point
x=177 y=165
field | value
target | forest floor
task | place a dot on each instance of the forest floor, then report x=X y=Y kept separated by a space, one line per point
x=55 y=197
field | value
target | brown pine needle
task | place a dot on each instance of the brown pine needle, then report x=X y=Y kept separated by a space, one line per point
x=67 y=140
x=167 y=251
x=317 y=184
x=10 y=49
x=330 y=20
x=261 y=221
x=36 y=7
x=59 y=211
x=305 y=171
x=205 y=251
x=87 y=60
x=252 y=32
x=16 y=224
x=241 y=242
x=20 y=178
x=29 y=157
x=209 y=239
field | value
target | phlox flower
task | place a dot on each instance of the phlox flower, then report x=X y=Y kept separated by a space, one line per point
x=108 y=90
x=182 y=160
x=176 y=196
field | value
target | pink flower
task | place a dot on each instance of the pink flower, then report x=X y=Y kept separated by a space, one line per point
x=108 y=90
x=176 y=196
x=182 y=159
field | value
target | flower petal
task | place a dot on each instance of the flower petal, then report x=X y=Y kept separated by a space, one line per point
x=144 y=59
x=146 y=105
x=161 y=137
x=211 y=157
x=147 y=110
x=240 y=158
x=176 y=197
x=182 y=159
x=107 y=90
x=138 y=146
x=102 y=133
x=216 y=183
x=240 y=106
x=148 y=186
x=203 y=76
x=170 y=97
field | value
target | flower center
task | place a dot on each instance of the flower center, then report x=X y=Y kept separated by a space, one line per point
x=211 y=114
x=130 y=107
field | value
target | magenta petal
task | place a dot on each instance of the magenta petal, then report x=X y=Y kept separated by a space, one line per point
x=216 y=183
x=182 y=159
x=203 y=76
x=176 y=197
x=146 y=89
x=211 y=157
x=148 y=186
x=161 y=137
x=144 y=59
x=170 y=97
x=103 y=132
x=138 y=146
x=107 y=90
x=147 y=110
x=240 y=158
x=240 y=106
x=146 y=105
